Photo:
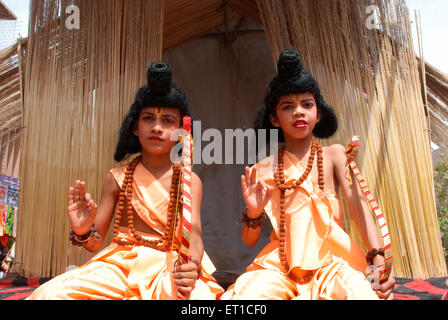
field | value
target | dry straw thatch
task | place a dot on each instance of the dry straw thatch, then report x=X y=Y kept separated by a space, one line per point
x=79 y=84
x=11 y=88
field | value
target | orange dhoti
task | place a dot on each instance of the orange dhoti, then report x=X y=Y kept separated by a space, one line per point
x=323 y=261
x=123 y=273
x=132 y=272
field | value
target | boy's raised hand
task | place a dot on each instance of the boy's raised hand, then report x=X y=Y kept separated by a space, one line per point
x=256 y=194
x=81 y=208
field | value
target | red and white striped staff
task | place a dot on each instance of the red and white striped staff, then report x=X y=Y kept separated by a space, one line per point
x=187 y=144
x=352 y=152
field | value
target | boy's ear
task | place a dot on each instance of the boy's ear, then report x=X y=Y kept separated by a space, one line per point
x=319 y=115
x=135 y=129
x=274 y=120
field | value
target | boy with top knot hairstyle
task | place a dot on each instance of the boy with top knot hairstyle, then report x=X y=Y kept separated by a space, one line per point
x=141 y=262
x=309 y=255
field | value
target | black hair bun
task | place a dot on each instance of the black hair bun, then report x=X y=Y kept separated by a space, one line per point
x=159 y=78
x=289 y=65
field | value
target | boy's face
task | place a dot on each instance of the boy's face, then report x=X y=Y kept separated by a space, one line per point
x=296 y=114
x=154 y=128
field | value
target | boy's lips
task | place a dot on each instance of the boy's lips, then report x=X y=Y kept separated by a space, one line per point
x=155 y=138
x=300 y=124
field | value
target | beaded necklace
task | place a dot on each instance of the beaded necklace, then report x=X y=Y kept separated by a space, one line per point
x=279 y=177
x=174 y=209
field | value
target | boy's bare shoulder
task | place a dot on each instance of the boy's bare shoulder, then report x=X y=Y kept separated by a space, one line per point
x=335 y=149
x=335 y=152
x=110 y=181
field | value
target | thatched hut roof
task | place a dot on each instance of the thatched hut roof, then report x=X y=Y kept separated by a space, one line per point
x=437 y=104
x=183 y=23
x=5 y=13
x=11 y=104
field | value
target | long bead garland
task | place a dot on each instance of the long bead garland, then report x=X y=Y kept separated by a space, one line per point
x=279 y=177
x=125 y=205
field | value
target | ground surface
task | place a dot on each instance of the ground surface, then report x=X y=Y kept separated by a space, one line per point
x=15 y=287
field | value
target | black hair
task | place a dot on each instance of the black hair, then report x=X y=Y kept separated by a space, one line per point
x=160 y=91
x=292 y=78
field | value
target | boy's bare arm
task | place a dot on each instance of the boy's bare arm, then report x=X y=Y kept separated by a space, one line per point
x=104 y=212
x=360 y=212
x=196 y=243
x=357 y=205
x=256 y=195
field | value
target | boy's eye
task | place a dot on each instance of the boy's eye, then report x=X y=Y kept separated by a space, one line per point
x=308 y=105
x=286 y=107
x=168 y=120
x=148 y=118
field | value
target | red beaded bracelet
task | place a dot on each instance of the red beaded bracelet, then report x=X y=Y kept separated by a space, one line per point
x=253 y=223
x=78 y=240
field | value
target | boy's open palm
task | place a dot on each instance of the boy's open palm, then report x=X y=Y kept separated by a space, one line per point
x=81 y=208
x=255 y=194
